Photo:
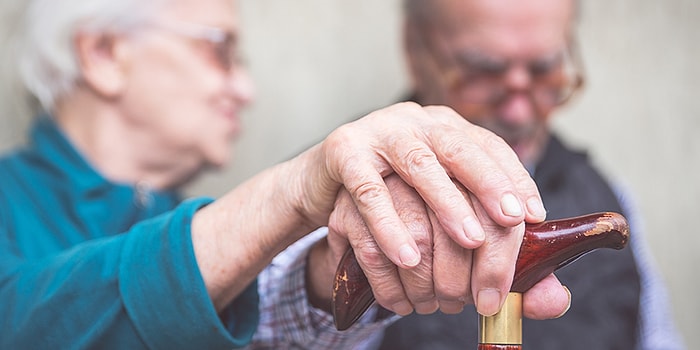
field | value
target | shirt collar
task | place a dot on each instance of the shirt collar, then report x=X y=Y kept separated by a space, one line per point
x=50 y=146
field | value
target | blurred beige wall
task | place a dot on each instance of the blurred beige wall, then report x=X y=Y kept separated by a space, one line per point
x=319 y=63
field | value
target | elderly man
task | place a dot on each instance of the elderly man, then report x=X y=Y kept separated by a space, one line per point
x=507 y=65
x=98 y=251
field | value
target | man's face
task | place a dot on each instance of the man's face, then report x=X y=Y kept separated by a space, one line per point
x=503 y=64
x=185 y=91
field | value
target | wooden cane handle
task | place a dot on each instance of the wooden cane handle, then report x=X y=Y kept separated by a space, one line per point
x=546 y=247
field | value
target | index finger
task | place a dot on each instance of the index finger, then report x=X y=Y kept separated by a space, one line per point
x=490 y=169
x=449 y=146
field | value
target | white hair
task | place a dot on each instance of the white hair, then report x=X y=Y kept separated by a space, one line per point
x=48 y=65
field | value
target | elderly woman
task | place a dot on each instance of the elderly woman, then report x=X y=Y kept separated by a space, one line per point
x=98 y=251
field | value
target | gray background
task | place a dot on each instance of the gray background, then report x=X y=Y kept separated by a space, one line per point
x=320 y=63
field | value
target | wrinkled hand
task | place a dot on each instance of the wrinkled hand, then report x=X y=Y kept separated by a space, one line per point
x=448 y=275
x=430 y=149
x=426 y=147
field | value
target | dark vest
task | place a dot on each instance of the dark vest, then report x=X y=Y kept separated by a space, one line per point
x=604 y=284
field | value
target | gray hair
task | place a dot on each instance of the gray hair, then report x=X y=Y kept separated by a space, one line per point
x=48 y=65
x=424 y=11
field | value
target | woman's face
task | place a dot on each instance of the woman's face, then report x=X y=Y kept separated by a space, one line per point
x=184 y=89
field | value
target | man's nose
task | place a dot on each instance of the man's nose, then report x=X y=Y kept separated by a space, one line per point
x=516 y=109
x=517 y=78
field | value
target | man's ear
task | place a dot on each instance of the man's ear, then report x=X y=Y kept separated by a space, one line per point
x=101 y=63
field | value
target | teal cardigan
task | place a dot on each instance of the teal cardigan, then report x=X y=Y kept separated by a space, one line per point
x=87 y=263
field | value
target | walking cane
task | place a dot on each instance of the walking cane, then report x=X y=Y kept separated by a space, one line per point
x=546 y=247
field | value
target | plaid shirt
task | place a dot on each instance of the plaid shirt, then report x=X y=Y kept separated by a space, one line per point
x=287 y=321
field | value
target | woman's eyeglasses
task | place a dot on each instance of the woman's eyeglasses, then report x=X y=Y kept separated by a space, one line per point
x=222 y=43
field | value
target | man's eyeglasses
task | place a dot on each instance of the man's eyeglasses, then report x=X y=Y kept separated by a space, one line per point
x=479 y=79
x=223 y=44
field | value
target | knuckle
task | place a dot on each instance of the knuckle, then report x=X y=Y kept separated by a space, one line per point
x=442 y=111
x=407 y=107
x=425 y=245
x=381 y=274
x=347 y=226
x=419 y=283
x=367 y=193
x=345 y=215
x=387 y=293
x=498 y=272
x=525 y=183
x=373 y=260
x=338 y=138
x=425 y=296
x=419 y=160
x=335 y=224
x=451 y=290
x=491 y=140
x=455 y=148
x=389 y=298
x=492 y=181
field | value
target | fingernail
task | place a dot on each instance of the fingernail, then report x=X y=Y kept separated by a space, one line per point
x=488 y=301
x=408 y=256
x=473 y=229
x=534 y=206
x=426 y=308
x=568 y=292
x=402 y=308
x=511 y=205
x=451 y=307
